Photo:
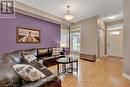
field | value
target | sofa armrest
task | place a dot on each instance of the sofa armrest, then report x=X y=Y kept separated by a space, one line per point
x=36 y=64
x=62 y=53
x=40 y=60
x=51 y=81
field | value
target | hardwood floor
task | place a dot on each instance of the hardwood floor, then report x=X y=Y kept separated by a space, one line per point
x=104 y=73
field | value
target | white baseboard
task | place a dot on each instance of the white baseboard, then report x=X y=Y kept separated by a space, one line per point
x=122 y=60
x=106 y=55
x=98 y=59
x=126 y=76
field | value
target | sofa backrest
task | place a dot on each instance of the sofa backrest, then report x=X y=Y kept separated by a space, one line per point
x=30 y=51
x=15 y=56
x=45 y=52
x=50 y=51
x=42 y=52
x=8 y=77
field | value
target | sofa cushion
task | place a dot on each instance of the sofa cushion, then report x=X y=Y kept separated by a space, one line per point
x=46 y=72
x=28 y=57
x=8 y=77
x=37 y=65
x=30 y=51
x=1 y=56
x=50 y=51
x=47 y=58
x=59 y=56
x=52 y=57
x=50 y=81
x=16 y=55
x=42 y=52
x=27 y=72
x=56 y=51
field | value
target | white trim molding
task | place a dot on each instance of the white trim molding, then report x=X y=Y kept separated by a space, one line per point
x=31 y=11
x=98 y=59
x=126 y=76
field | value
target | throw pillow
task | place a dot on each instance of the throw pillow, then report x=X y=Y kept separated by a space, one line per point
x=56 y=51
x=27 y=72
x=28 y=57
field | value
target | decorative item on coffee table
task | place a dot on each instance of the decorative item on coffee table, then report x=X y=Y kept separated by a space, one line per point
x=64 y=49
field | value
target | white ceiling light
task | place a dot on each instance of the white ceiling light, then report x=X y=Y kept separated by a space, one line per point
x=115 y=33
x=68 y=15
x=118 y=28
x=113 y=17
x=115 y=27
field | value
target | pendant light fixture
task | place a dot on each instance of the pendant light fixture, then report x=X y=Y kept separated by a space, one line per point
x=68 y=15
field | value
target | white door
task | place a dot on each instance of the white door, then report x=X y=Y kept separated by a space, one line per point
x=102 y=43
x=115 y=43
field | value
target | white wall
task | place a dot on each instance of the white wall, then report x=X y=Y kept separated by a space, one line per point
x=89 y=35
x=127 y=37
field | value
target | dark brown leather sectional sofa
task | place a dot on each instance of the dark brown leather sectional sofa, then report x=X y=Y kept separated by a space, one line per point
x=9 y=78
x=45 y=54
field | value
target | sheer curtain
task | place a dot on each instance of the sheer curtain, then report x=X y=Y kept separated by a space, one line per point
x=75 y=39
x=65 y=37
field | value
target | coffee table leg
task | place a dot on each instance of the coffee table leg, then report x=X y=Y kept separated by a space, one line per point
x=77 y=65
x=72 y=68
x=58 y=69
x=63 y=68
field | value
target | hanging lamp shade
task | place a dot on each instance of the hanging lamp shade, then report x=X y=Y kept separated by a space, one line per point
x=68 y=15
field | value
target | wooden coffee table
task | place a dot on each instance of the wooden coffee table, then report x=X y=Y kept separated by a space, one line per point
x=64 y=62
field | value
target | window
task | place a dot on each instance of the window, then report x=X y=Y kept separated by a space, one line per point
x=75 y=39
x=65 y=37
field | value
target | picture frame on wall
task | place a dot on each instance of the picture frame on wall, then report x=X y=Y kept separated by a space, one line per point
x=27 y=35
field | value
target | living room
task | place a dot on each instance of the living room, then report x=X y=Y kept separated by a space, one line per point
x=64 y=43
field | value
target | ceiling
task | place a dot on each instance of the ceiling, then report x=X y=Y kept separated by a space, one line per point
x=109 y=10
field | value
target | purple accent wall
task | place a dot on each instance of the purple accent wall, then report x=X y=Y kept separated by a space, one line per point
x=50 y=33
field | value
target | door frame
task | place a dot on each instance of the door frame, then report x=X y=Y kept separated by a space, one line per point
x=99 y=28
